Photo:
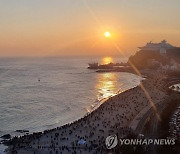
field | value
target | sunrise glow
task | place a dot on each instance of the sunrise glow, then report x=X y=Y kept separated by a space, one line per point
x=84 y=28
x=106 y=60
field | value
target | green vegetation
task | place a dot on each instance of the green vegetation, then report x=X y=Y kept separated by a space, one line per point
x=175 y=54
x=142 y=58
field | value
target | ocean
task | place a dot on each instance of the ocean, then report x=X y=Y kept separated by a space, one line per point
x=43 y=93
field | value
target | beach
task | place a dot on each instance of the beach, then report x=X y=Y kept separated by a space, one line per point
x=112 y=117
x=66 y=92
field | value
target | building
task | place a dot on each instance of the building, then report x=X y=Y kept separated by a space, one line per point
x=162 y=47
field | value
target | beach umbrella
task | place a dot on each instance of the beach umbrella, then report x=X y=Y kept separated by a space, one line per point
x=81 y=142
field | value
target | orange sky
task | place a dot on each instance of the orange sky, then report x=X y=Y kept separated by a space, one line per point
x=68 y=27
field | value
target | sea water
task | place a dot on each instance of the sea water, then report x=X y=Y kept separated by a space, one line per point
x=43 y=93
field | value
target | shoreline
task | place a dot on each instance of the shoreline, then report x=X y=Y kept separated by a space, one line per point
x=103 y=100
x=15 y=133
x=95 y=104
x=38 y=143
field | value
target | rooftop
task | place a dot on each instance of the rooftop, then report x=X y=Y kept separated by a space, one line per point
x=157 y=46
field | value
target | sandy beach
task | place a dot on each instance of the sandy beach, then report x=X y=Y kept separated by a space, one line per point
x=112 y=117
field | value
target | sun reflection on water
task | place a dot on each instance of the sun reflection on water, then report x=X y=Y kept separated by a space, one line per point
x=106 y=84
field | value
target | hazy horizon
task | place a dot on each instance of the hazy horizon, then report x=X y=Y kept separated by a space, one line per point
x=75 y=28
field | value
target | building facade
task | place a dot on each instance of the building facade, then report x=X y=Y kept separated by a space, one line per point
x=162 y=47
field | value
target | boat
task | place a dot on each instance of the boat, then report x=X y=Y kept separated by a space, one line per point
x=93 y=65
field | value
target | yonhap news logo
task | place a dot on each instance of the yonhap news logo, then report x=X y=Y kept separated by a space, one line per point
x=147 y=141
x=112 y=141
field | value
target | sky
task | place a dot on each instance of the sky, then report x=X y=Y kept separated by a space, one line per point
x=76 y=27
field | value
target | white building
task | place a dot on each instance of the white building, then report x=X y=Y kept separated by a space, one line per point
x=162 y=47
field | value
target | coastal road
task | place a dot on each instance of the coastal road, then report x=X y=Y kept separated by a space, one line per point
x=143 y=121
x=153 y=129
x=151 y=117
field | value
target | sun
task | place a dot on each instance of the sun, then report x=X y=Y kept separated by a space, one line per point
x=107 y=34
